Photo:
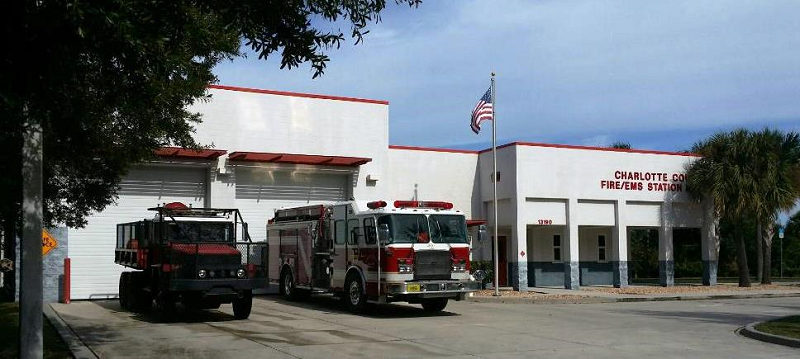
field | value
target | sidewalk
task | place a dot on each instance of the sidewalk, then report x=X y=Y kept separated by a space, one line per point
x=608 y=294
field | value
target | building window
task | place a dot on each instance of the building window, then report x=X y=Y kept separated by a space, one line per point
x=556 y=248
x=601 y=248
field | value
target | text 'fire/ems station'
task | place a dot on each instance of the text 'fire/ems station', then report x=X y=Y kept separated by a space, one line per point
x=565 y=212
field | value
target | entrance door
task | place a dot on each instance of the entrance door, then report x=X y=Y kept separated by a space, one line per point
x=502 y=260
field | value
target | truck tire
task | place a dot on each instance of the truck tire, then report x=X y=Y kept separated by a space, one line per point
x=242 y=306
x=166 y=306
x=124 y=281
x=288 y=288
x=141 y=301
x=434 y=304
x=355 y=298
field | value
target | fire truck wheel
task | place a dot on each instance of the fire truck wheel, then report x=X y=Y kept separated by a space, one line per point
x=166 y=306
x=288 y=289
x=354 y=296
x=123 y=290
x=434 y=304
x=243 y=305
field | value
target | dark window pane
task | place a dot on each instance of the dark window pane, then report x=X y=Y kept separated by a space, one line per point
x=557 y=240
x=601 y=254
x=556 y=254
x=601 y=241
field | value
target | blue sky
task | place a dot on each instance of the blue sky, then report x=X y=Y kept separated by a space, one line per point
x=660 y=75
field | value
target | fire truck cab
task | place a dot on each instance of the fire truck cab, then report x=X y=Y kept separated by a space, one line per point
x=412 y=251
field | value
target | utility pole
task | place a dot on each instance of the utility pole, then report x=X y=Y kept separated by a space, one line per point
x=30 y=299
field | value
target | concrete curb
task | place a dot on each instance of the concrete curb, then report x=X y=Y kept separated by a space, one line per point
x=598 y=299
x=76 y=346
x=751 y=332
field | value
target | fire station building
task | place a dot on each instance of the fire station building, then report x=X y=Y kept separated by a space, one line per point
x=565 y=212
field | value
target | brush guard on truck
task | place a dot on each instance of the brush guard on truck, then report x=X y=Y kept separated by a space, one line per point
x=218 y=268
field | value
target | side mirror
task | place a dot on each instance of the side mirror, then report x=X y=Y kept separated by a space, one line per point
x=383 y=233
x=481 y=233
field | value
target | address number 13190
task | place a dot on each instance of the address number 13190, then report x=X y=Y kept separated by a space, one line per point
x=545 y=222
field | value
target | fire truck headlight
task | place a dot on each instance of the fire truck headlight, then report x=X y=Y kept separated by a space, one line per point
x=405 y=266
x=460 y=267
x=240 y=273
x=201 y=273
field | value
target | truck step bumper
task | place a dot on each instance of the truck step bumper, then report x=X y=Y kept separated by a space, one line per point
x=431 y=289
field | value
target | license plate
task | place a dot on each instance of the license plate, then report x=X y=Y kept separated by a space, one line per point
x=412 y=287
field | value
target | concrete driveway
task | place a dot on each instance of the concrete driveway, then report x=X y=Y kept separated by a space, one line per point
x=319 y=329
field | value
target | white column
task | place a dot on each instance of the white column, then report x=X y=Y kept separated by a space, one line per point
x=619 y=247
x=571 y=254
x=666 y=260
x=709 y=244
x=519 y=246
x=221 y=189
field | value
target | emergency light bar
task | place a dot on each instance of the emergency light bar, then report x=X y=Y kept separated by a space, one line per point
x=376 y=204
x=423 y=204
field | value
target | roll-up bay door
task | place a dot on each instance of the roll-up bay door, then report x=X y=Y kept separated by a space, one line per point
x=259 y=191
x=94 y=274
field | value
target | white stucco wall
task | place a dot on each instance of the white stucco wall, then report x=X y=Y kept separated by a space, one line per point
x=438 y=175
x=242 y=120
x=572 y=172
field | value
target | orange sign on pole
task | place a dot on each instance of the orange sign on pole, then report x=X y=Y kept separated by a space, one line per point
x=48 y=242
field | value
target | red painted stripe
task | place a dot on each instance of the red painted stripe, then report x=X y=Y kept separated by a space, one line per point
x=297 y=94
x=431 y=149
x=592 y=148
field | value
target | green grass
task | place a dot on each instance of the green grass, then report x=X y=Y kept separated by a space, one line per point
x=54 y=347
x=787 y=327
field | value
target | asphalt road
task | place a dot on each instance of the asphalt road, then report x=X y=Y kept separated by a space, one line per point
x=320 y=329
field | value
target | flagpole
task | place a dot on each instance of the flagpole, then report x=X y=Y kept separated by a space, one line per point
x=494 y=190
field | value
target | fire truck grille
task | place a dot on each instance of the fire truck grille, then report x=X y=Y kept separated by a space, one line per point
x=432 y=265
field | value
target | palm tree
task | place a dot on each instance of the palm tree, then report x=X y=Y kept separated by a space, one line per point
x=724 y=175
x=621 y=145
x=778 y=187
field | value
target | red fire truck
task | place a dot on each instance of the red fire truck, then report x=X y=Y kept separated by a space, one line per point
x=413 y=251
x=192 y=256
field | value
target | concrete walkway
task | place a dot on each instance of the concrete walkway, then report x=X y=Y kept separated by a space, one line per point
x=597 y=292
x=605 y=294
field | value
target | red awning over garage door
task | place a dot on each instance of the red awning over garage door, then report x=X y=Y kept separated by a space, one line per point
x=189 y=153
x=298 y=159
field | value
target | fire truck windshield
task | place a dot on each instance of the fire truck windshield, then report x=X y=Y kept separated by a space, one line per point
x=406 y=228
x=416 y=228
x=447 y=228
x=199 y=231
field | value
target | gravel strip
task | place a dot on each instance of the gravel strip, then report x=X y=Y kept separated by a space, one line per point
x=645 y=290
x=530 y=295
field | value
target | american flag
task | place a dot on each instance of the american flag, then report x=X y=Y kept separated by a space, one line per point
x=483 y=111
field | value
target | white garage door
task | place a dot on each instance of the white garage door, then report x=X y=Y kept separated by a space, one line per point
x=94 y=274
x=260 y=191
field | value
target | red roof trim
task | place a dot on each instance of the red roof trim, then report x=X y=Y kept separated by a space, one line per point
x=178 y=152
x=298 y=159
x=431 y=149
x=298 y=94
x=592 y=148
